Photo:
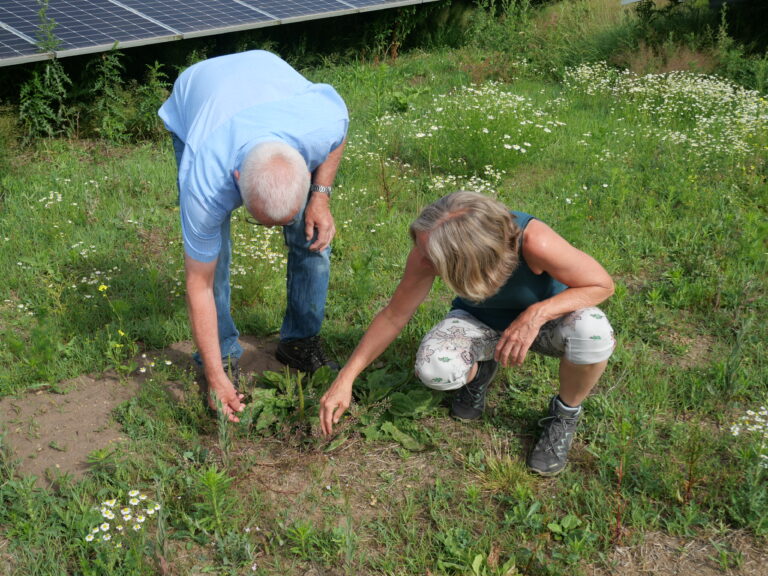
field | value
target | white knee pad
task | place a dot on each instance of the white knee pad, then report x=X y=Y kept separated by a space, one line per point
x=439 y=375
x=589 y=339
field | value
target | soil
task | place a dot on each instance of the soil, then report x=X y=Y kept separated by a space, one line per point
x=664 y=555
x=53 y=432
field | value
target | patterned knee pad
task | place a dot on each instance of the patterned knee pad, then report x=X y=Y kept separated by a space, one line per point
x=581 y=337
x=448 y=351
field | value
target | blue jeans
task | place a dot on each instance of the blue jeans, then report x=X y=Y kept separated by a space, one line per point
x=307 y=283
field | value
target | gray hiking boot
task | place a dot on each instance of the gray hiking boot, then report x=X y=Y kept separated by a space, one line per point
x=551 y=452
x=469 y=401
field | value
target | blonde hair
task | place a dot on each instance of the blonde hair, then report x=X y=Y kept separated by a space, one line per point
x=275 y=176
x=472 y=243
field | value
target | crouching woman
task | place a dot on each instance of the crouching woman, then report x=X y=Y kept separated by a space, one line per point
x=520 y=287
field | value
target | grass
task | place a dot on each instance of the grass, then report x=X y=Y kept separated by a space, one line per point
x=661 y=178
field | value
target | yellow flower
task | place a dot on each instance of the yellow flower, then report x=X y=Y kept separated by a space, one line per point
x=103 y=288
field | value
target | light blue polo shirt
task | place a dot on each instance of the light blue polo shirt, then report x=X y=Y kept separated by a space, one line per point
x=220 y=108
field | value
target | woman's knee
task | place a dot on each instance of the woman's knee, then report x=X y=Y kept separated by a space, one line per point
x=448 y=351
x=590 y=337
x=440 y=375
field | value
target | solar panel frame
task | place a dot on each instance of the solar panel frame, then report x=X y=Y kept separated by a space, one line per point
x=369 y=5
x=88 y=26
x=18 y=48
x=295 y=10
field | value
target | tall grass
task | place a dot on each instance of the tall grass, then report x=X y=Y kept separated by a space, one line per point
x=645 y=37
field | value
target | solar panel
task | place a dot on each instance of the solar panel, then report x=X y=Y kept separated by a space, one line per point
x=81 y=23
x=84 y=26
x=14 y=47
x=197 y=15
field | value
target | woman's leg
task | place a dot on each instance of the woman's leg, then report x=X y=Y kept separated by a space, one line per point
x=448 y=356
x=577 y=380
x=583 y=340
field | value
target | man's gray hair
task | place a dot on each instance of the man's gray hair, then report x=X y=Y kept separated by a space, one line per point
x=275 y=177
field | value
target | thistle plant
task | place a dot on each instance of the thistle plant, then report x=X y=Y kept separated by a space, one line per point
x=43 y=106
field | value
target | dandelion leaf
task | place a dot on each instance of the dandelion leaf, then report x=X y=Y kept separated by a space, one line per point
x=336 y=443
x=378 y=385
x=413 y=404
x=405 y=440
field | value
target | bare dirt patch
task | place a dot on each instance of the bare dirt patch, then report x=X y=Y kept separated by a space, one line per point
x=51 y=433
x=686 y=351
x=54 y=432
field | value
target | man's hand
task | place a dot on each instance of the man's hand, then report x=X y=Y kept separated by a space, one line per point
x=317 y=217
x=202 y=316
x=230 y=399
x=333 y=404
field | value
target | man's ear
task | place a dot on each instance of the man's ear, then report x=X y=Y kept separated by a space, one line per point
x=237 y=174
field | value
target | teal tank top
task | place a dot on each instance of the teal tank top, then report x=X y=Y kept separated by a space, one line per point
x=521 y=290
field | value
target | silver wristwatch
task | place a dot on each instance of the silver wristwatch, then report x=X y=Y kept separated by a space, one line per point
x=321 y=189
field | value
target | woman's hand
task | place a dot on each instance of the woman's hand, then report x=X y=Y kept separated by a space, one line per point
x=333 y=404
x=517 y=339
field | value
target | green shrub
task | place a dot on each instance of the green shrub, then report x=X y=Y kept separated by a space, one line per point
x=106 y=108
x=145 y=99
x=43 y=102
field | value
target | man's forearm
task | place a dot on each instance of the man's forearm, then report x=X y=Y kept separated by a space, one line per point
x=201 y=308
x=325 y=174
x=203 y=321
